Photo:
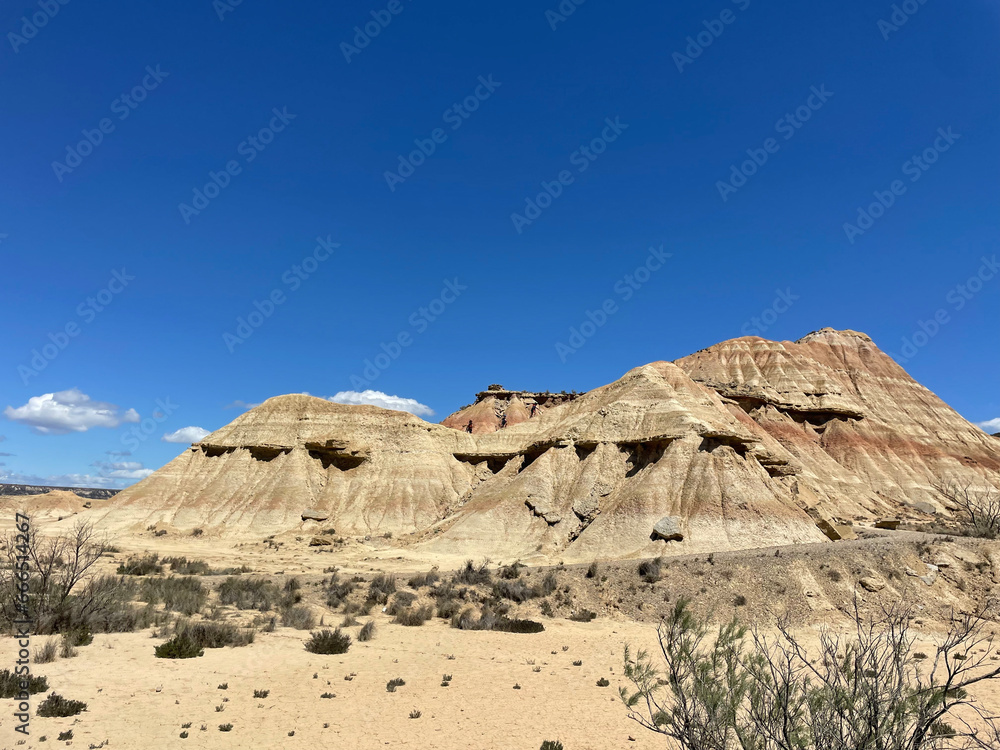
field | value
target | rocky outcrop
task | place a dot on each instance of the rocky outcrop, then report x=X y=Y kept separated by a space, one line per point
x=750 y=443
x=497 y=408
x=668 y=529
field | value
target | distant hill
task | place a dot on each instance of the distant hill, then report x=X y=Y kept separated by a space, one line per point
x=91 y=493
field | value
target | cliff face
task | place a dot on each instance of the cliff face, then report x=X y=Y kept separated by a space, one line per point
x=746 y=444
x=852 y=417
x=498 y=408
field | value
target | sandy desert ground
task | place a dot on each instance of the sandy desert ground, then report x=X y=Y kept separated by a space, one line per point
x=138 y=701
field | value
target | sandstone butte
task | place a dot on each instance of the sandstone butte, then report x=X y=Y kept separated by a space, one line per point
x=749 y=443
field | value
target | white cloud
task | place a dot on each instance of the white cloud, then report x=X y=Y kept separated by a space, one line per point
x=185 y=435
x=377 y=398
x=242 y=405
x=68 y=411
x=992 y=426
x=119 y=453
x=122 y=469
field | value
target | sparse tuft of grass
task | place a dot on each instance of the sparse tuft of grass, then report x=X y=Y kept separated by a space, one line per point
x=650 y=571
x=367 y=631
x=47 y=653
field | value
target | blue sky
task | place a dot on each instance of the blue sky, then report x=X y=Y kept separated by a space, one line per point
x=461 y=191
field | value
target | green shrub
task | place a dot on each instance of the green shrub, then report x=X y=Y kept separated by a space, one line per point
x=552 y=745
x=381 y=587
x=414 y=617
x=489 y=620
x=184 y=595
x=448 y=608
x=603 y=682
x=103 y=605
x=392 y=684
x=511 y=572
x=181 y=646
x=400 y=603
x=515 y=591
x=584 y=615
x=10 y=684
x=261 y=693
x=215 y=634
x=225 y=727
x=141 y=566
x=593 y=571
x=423 y=579
x=472 y=575
x=249 y=593
x=298 y=617
x=183 y=566
x=328 y=642
x=65 y=736
x=56 y=705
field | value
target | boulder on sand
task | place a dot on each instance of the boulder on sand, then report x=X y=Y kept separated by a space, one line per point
x=668 y=529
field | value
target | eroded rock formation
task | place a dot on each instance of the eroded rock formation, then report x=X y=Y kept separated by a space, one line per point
x=749 y=443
